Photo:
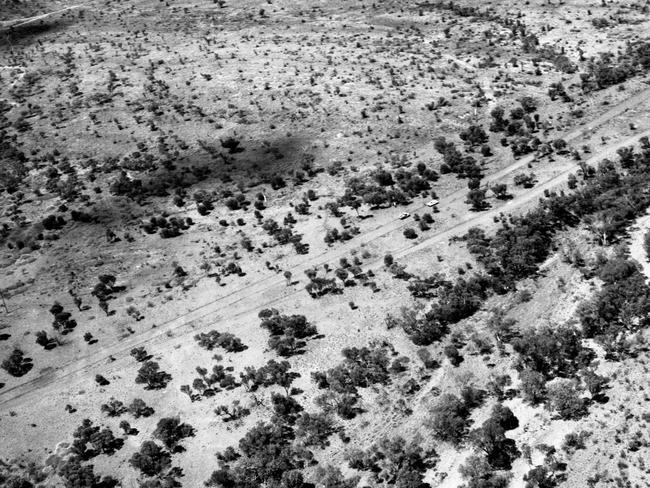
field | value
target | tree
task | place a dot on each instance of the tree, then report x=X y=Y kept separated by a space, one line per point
x=330 y=477
x=235 y=412
x=383 y=177
x=491 y=439
x=542 y=477
x=114 y=408
x=499 y=123
x=165 y=482
x=287 y=332
x=427 y=358
x=315 y=429
x=480 y=474
x=453 y=355
x=171 y=431
x=500 y=191
x=533 y=386
x=449 y=419
x=150 y=374
x=476 y=198
x=343 y=404
x=529 y=104
x=140 y=354
x=572 y=181
x=17 y=364
x=91 y=440
x=211 y=339
x=504 y=417
x=138 y=408
x=267 y=457
x=394 y=461
x=559 y=145
x=594 y=383
x=525 y=180
x=564 y=398
x=273 y=373
x=151 y=459
x=552 y=351
x=474 y=135
x=43 y=340
x=474 y=183
x=409 y=233
x=286 y=408
x=77 y=475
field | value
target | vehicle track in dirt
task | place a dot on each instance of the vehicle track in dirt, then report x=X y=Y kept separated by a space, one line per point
x=7 y=24
x=273 y=289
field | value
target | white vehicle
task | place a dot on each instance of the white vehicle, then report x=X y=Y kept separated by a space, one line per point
x=404 y=215
x=432 y=203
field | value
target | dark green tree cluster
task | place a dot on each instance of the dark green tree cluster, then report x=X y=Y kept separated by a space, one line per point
x=266 y=457
x=285 y=235
x=361 y=368
x=490 y=438
x=91 y=440
x=384 y=187
x=611 y=70
x=610 y=197
x=208 y=384
x=17 y=364
x=272 y=373
x=620 y=307
x=170 y=431
x=463 y=166
x=394 y=462
x=288 y=332
x=78 y=475
x=211 y=339
x=152 y=376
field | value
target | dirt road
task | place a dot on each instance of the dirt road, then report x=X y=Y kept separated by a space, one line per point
x=28 y=20
x=249 y=300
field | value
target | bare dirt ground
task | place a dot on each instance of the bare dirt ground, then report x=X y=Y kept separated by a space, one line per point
x=317 y=94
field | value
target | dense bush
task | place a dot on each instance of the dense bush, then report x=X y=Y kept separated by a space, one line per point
x=314 y=429
x=226 y=340
x=17 y=364
x=208 y=384
x=91 y=440
x=455 y=162
x=450 y=419
x=266 y=457
x=609 y=200
x=621 y=305
x=170 y=431
x=500 y=451
x=422 y=329
x=288 y=332
x=273 y=373
x=114 y=408
x=552 y=351
x=394 y=462
x=152 y=377
x=138 y=408
x=77 y=475
x=565 y=398
x=480 y=474
x=361 y=368
x=151 y=459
